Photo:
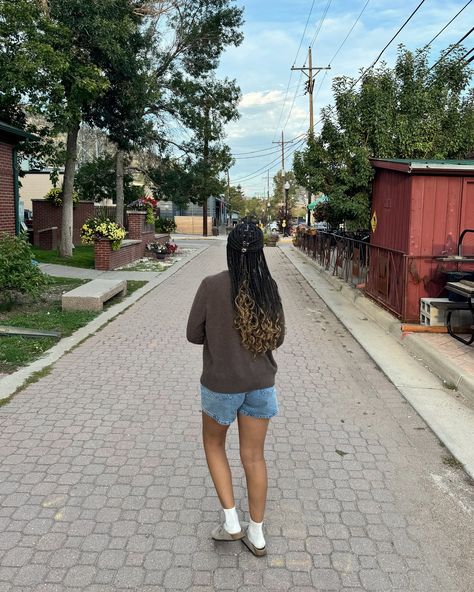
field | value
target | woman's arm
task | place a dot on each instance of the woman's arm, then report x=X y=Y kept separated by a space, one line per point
x=196 y=328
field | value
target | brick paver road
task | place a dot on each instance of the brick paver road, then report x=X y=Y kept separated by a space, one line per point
x=103 y=482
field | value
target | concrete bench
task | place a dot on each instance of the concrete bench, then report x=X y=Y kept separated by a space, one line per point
x=91 y=296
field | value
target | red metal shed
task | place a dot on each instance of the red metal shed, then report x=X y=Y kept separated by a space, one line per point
x=419 y=209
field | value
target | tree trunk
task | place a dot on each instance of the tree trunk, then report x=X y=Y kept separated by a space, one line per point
x=66 y=244
x=204 y=218
x=119 y=193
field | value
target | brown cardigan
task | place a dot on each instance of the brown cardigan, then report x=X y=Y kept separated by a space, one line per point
x=227 y=366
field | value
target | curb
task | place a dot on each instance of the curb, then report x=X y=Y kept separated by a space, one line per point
x=10 y=384
x=448 y=414
x=444 y=370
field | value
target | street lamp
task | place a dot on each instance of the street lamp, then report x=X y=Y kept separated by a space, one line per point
x=287 y=189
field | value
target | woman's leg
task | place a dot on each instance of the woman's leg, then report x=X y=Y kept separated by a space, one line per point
x=252 y=433
x=214 y=435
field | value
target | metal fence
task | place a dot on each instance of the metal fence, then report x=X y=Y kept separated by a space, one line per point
x=380 y=272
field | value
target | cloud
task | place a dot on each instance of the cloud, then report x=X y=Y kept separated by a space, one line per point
x=258 y=98
x=261 y=65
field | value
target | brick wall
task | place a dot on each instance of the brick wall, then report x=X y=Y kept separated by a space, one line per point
x=46 y=215
x=7 y=198
x=106 y=259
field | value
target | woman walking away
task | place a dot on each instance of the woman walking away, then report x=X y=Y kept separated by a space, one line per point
x=238 y=316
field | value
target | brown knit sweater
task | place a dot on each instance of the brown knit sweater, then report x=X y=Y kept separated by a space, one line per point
x=227 y=366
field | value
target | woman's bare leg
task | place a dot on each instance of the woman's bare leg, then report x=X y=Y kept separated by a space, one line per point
x=214 y=435
x=252 y=433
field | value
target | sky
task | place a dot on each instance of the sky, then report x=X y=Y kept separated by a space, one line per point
x=275 y=39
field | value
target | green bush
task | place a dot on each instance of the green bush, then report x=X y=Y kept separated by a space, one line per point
x=165 y=225
x=18 y=273
x=55 y=196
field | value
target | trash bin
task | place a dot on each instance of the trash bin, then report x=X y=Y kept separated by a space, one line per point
x=215 y=231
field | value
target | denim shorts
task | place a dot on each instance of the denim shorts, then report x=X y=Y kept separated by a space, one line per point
x=224 y=407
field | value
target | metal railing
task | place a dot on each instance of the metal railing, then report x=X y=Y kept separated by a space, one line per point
x=379 y=271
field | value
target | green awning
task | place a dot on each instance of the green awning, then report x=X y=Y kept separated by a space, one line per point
x=321 y=198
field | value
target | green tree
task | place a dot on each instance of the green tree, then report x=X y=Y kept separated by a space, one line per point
x=121 y=110
x=96 y=180
x=60 y=49
x=235 y=198
x=410 y=111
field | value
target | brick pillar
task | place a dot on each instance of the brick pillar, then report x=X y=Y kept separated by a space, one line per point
x=102 y=253
x=136 y=225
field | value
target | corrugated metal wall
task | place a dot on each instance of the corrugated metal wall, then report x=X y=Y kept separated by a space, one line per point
x=435 y=215
x=423 y=216
x=391 y=205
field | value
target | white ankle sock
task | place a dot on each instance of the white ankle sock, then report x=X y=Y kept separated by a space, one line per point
x=255 y=534
x=231 y=524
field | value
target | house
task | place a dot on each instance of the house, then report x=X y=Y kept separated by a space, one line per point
x=10 y=137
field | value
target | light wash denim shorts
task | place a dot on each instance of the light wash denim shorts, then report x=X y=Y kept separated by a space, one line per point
x=224 y=407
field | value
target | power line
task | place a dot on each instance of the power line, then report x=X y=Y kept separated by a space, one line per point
x=342 y=45
x=269 y=166
x=450 y=49
x=291 y=75
x=321 y=21
x=365 y=72
x=350 y=31
x=447 y=24
x=389 y=43
x=275 y=151
x=293 y=102
x=304 y=32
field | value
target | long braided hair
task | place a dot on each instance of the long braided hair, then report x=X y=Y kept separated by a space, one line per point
x=257 y=305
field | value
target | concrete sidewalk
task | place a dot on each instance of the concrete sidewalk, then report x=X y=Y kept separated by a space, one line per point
x=450 y=416
x=450 y=360
x=104 y=485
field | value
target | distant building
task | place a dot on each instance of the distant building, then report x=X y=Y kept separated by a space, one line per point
x=35 y=185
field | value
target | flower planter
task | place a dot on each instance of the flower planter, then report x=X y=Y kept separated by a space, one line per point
x=160 y=255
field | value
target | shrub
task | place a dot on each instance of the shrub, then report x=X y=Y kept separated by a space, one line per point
x=18 y=273
x=95 y=228
x=165 y=225
x=55 y=196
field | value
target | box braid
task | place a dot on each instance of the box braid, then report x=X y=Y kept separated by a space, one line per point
x=255 y=297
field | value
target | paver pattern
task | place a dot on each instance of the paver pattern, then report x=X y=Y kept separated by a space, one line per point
x=104 y=485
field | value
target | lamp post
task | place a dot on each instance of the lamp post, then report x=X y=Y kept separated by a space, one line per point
x=287 y=189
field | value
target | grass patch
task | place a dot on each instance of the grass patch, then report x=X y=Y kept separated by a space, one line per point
x=45 y=314
x=134 y=285
x=83 y=256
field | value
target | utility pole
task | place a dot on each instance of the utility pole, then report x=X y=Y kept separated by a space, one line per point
x=310 y=73
x=205 y=154
x=282 y=142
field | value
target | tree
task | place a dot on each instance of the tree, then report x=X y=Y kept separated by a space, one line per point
x=235 y=199
x=121 y=110
x=410 y=111
x=61 y=50
x=204 y=105
x=96 y=180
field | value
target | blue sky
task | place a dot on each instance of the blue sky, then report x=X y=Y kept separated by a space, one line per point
x=273 y=31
